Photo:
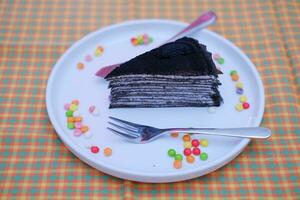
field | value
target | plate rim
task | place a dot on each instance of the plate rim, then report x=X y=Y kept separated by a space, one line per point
x=147 y=177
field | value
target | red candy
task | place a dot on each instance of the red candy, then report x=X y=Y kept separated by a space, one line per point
x=95 y=149
x=196 y=151
x=246 y=105
x=195 y=143
x=187 y=151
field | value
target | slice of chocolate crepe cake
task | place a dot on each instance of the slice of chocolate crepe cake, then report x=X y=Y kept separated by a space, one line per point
x=176 y=74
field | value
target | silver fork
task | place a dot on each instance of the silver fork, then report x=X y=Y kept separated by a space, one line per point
x=138 y=133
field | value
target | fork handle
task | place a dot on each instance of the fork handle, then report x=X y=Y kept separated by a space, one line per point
x=247 y=132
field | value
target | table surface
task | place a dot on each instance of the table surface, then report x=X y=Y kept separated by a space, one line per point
x=35 y=163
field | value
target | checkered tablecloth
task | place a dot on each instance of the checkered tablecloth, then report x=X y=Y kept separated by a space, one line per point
x=34 y=163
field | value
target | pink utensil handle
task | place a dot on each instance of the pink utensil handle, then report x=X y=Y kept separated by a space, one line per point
x=201 y=22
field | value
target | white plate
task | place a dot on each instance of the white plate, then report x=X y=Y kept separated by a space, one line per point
x=148 y=162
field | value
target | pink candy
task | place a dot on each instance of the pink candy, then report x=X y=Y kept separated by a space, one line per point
x=92 y=109
x=77 y=132
x=88 y=58
x=216 y=56
x=67 y=106
x=78 y=125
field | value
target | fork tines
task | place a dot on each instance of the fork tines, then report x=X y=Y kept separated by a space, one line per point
x=123 y=128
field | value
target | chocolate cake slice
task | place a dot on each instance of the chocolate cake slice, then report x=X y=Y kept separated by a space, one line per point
x=176 y=74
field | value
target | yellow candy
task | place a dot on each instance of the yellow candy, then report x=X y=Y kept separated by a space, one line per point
x=243 y=99
x=187 y=144
x=99 y=50
x=98 y=53
x=239 y=85
x=73 y=107
x=239 y=107
x=204 y=143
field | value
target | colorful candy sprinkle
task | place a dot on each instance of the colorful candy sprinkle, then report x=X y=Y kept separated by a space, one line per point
x=107 y=151
x=171 y=152
x=93 y=110
x=75 y=102
x=73 y=107
x=218 y=58
x=178 y=157
x=84 y=129
x=246 y=105
x=203 y=156
x=186 y=138
x=88 y=58
x=71 y=125
x=141 y=40
x=66 y=106
x=177 y=164
x=69 y=113
x=187 y=144
x=174 y=135
x=80 y=65
x=239 y=90
x=243 y=99
x=99 y=51
x=195 y=143
x=233 y=72
x=78 y=119
x=235 y=77
x=191 y=149
x=70 y=119
x=190 y=159
x=94 y=149
x=187 y=151
x=239 y=85
x=77 y=133
x=239 y=107
x=196 y=151
x=78 y=125
x=204 y=143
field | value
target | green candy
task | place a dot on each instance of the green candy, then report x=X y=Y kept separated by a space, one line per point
x=178 y=157
x=171 y=152
x=69 y=113
x=220 y=61
x=232 y=72
x=71 y=126
x=203 y=156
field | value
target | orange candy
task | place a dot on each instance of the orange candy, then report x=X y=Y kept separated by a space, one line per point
x=76 y=102
x=190 y=159
x=107 y=151
x=84 y=129
x=235 y=77
x=186 y=138
x=177 y=164
x=71 y=119
x=174 y=135
x=77 y=119
x=80 y=65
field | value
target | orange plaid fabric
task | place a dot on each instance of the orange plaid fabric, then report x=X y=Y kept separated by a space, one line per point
x=35 y=163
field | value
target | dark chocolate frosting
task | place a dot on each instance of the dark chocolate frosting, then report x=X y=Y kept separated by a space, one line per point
x=184 y=56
